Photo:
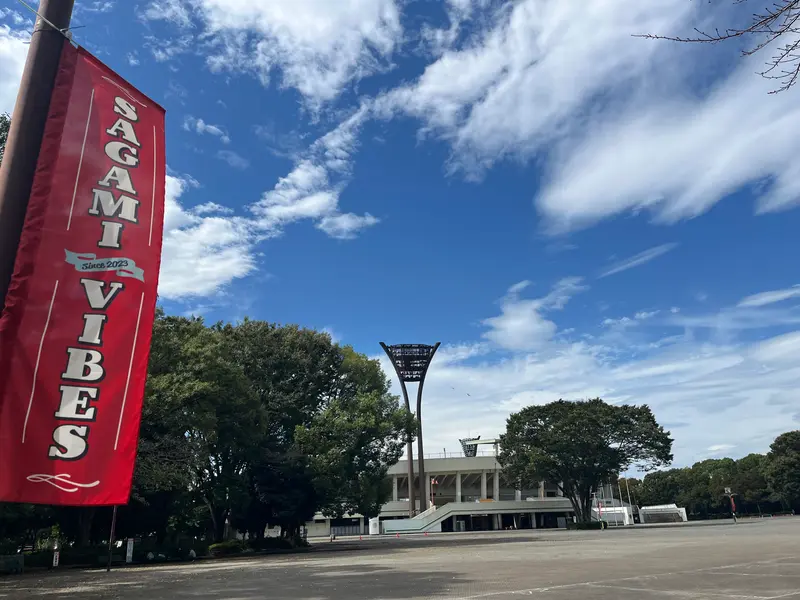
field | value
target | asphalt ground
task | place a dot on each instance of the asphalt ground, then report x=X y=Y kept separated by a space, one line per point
x=757 y=561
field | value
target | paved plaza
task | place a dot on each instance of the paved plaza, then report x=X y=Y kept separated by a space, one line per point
x=757 y=561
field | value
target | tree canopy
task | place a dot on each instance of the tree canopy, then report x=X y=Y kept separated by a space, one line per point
x=245 y=426
x=580 y=446
x=759 y=483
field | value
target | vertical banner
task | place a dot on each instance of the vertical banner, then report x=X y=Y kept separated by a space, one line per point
x=75 y=333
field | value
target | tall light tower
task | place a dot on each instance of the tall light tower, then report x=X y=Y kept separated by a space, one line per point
x=411 y=362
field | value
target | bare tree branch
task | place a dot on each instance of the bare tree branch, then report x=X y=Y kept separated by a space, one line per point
x=777 y=20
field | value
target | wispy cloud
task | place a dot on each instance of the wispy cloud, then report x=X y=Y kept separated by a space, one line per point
x=315 y=47
x=199 y=126
x=637 y=260
x=771 y=297
x=704 y=386
x=233 y=159
x=521 y=324
x=13 y=50
x=202 y=253
x=312 y=189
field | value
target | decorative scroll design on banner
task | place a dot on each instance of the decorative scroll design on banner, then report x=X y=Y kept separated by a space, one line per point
x=64 y=478
x=88 y=262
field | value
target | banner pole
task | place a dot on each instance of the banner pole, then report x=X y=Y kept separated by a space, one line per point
x=111 y=537
x=27 y=129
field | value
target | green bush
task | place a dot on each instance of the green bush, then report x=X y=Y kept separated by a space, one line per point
x=225 y=548
x=270 y=543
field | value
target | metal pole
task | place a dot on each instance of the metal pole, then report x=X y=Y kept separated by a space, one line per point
x=412 y=507
x=420 y=455
x=27 y=129
x=409 y=442
x=111 y=537
x=628 y=487
x=421 y=458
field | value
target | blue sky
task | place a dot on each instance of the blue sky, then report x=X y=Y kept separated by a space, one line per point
x=572 y=211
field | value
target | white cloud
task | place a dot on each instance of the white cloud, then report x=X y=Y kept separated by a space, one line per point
x=771 y=297
x=13 y=52
x=199 y=126
x=15 y=17
x=517 y=84
x=175 y=11
x=620 y=124
x=201 y=254
x=133 y=58
x=319 y=45
x=312 y=189
x=211 y=207
x=680 y=156
x=233 y=159
x=697 y=389
x=637 y=260
x=346 y=226
x=621 y=322
x=783 y=348
x=101 y=6
x=164 y=50
x=521 y=324
x=644 y=315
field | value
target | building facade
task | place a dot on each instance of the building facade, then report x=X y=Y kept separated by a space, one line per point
x=462 y=494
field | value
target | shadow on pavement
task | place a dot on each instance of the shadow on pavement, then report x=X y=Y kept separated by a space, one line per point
x=390 y=545
x=245 y=582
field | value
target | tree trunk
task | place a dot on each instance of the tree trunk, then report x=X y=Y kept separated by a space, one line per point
x=85 y=518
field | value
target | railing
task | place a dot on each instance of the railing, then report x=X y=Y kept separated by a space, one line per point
x=422 y=522
x=457 y=454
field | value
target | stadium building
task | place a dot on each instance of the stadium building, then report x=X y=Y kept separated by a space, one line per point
x=463 y=493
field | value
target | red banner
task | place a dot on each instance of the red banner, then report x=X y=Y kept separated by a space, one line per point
x=75 y=333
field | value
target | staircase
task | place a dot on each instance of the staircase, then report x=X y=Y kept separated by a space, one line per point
x=431 y=519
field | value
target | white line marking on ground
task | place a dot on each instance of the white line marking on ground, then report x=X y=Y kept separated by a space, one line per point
x=634 y=578
x=680 y=593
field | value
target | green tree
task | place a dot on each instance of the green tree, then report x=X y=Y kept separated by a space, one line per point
x=751 y=481
x=350 y=446
x=201 y=421
x=581 y=445
x=628 y=487
x=783 y=468
x=660 y=487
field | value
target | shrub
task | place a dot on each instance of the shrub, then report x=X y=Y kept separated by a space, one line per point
x=225 y=548
x=270 y=543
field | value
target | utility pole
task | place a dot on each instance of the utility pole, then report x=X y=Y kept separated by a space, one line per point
x=27 y=129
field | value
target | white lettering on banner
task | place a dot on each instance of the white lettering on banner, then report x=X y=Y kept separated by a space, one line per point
x=93 y=329
x=70 y=441
x=84 y=365
x=112 y=235
x=123 y=129
x=94 y=292
x=120 y=177
x=126 y=109
x=75 y=403
x=125 y=207
x=123 y=154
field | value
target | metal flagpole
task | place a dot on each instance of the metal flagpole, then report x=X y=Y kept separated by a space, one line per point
x=27 y=128
x=621 y=502
x=628 y=487
x=111 y=537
